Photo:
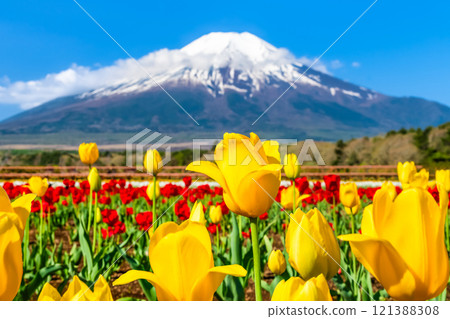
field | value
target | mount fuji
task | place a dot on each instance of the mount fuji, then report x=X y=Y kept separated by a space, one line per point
x=225 y=81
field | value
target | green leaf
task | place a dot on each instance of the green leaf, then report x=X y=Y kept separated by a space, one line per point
x=28 y=290
x=85 y=244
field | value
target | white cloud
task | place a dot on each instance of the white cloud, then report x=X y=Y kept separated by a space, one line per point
x=336 y=64
x=356 y=64
x=79 y=79
x=319 y=66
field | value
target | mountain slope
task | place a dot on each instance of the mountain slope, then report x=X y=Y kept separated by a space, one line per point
x=225 y=81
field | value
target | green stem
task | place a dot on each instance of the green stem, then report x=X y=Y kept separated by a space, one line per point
x=90 y=211
x=41 y=226
x=26 y=241
x=335 y=218
x=154 y=203
x=240 y=227
x=256 y=259
x=353 y=255
x=95 y=223
x=294 y=203
x=217 y=238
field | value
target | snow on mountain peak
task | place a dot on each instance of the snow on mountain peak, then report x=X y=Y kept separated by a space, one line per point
x=232 y=44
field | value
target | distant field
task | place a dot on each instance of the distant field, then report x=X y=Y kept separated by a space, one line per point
x=429 y=147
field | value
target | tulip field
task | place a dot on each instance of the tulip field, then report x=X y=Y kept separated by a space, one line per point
x=245 y=234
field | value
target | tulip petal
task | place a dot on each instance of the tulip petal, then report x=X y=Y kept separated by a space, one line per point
x=367 y=226
x=237 y=156
x=210 y=169
x=294 y=222
x=271 y=148
x=329 y=247
x=22 y=207
x=188 y=227
x=102 y=291
x=5 y=202
x=257 y=190
x=315 y=289
x=10 y=258
x=132 y=275
x=77 y=291
x=381 y=259
x=206 y=286
x=415 y=228
x=49 y=293
x=180 y=258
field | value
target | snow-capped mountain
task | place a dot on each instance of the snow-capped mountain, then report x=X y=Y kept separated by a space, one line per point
x=225 y=81
x=227 y=61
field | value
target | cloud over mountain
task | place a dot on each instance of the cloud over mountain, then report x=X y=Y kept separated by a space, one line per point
x=240 y=51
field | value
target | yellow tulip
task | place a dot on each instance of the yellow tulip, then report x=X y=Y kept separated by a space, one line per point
x=420 y=179
x=182 y=263
x=88 y=153
x=197 y=213
x=78 y=291
x=311 y=245
x=94 y=179
x=150 y=190
x=286 y=196
x=348 y=195
x=244 y=170
x=405 y=172
x=402 y=244
x=296 y=289
x=291 y=168
x=98 y=215
x=153 y=162
x=390 y=189
x=409 y=177
x=215 y=213
x=443 y=177
x=13 y=217
x=38 y=185
x=277 y=262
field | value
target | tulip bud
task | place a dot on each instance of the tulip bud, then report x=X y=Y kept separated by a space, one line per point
x=98 y=215
x=443 y=177
x=153 y=162
x=215 y=213
x=348 y=194
x=390 y=188
x=291 y=168
x=286 y=196
x=88 y=153
x=94 y=180
x=296 y=289
x=197 y=213
x=277 y=262
x=305 y=255
x=405 y=172
x=38 y=186
x=150 y=190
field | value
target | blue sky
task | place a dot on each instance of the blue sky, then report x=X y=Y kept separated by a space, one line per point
x=399 y=47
